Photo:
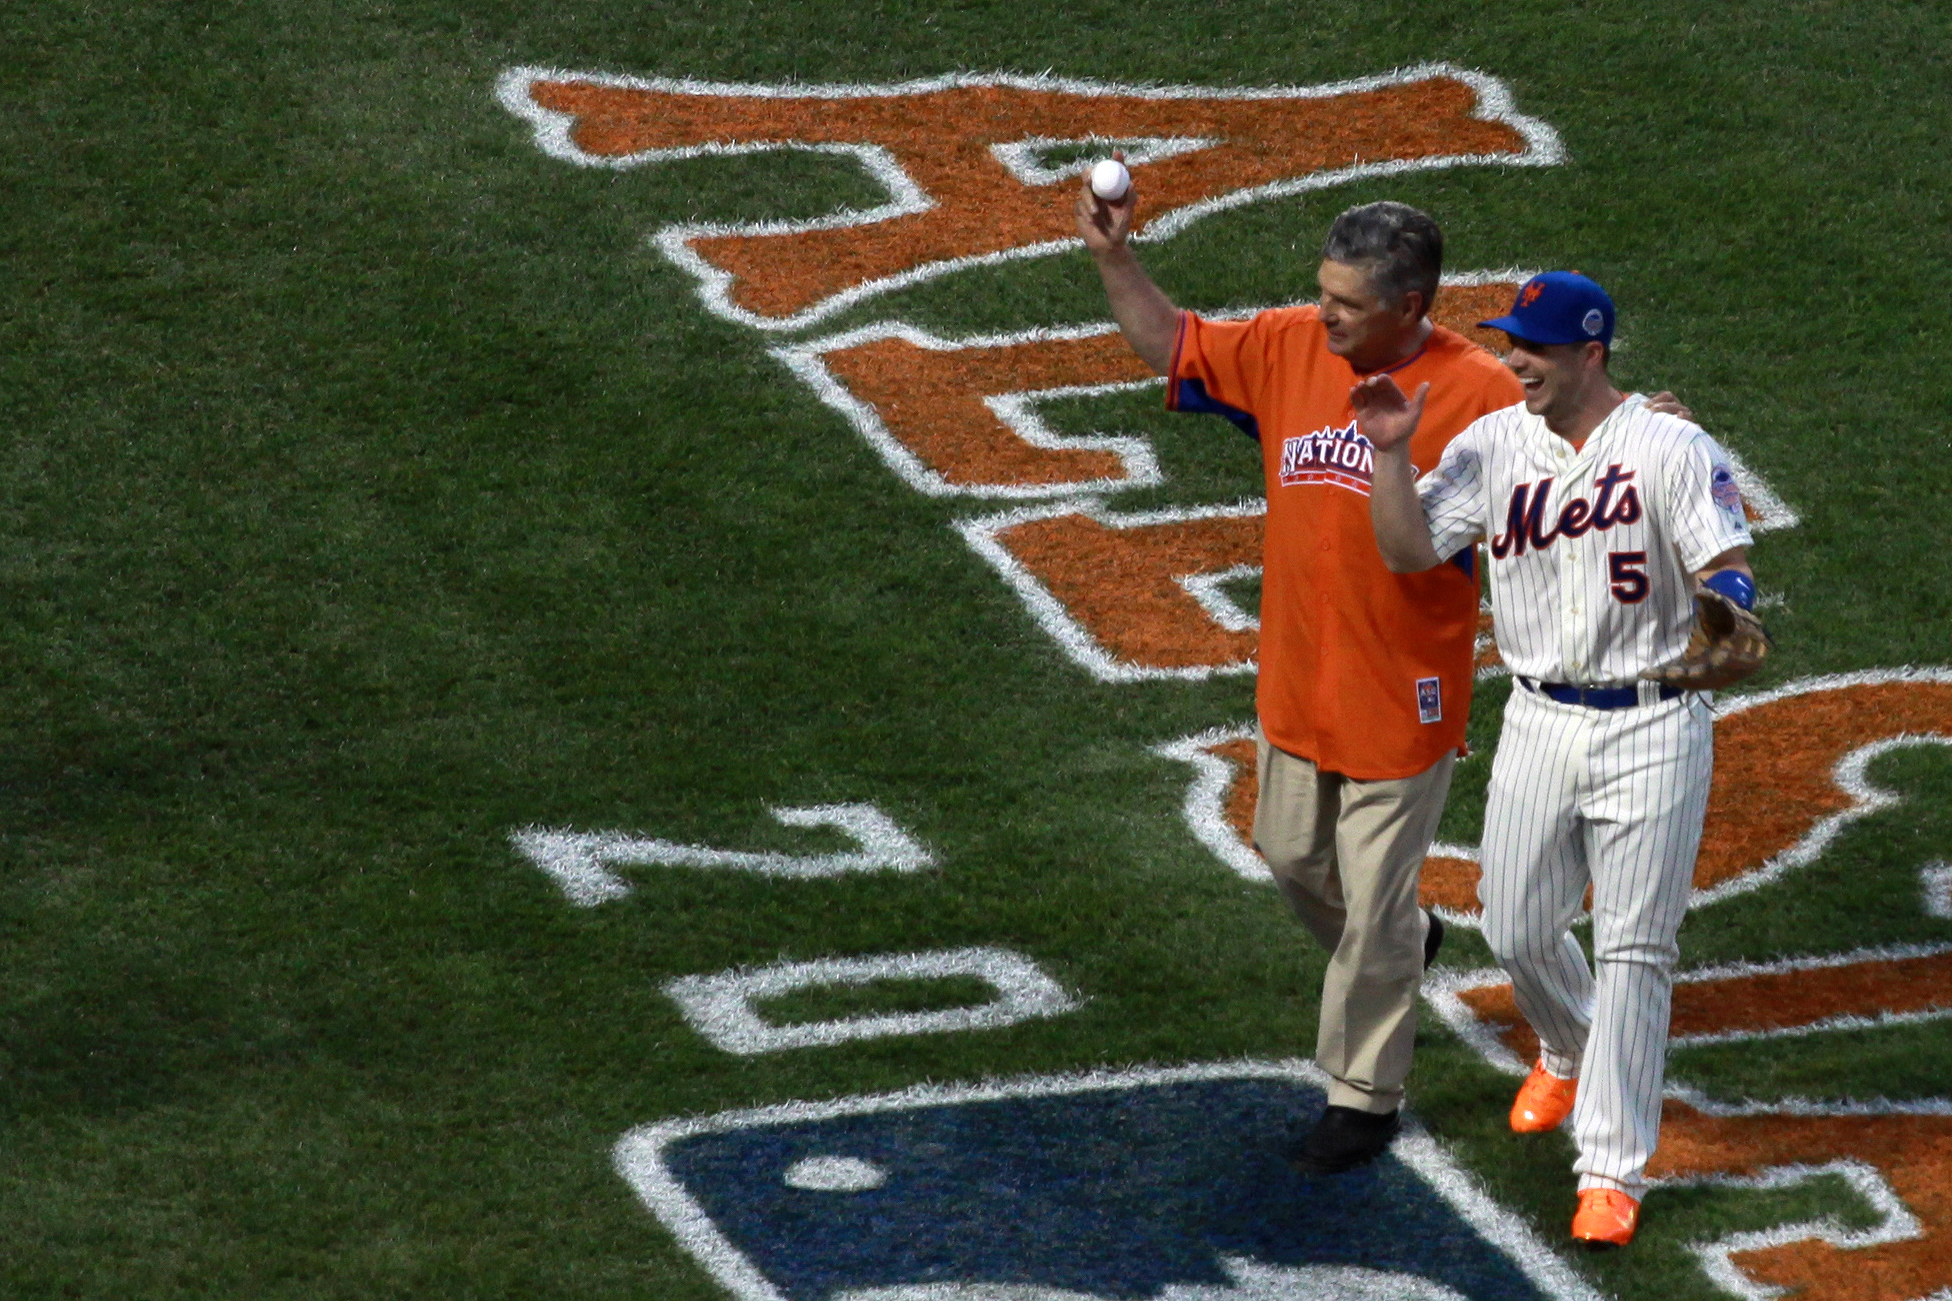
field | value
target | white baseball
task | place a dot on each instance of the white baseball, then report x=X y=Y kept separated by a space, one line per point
x=1110 y=180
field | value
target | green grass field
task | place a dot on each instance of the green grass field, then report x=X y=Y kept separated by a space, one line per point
x=371 y=490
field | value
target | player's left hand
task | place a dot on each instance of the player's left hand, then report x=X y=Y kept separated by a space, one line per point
x=1383 y=415
x=1728 y=644
x=1666 y=404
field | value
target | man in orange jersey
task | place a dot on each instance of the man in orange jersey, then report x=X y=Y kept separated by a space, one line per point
x=1365 y=676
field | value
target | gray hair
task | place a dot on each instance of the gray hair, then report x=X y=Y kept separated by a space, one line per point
x=1400 y=247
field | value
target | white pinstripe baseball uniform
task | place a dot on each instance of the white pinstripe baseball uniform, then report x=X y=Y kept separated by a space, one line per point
x=1592 y=561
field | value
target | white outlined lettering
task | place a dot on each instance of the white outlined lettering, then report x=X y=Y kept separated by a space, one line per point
x=579 y=861
x=724 y=1009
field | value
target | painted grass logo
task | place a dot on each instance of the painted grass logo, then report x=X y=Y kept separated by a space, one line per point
x=725 y=1007
x=959 y=417
x=580 y=861
x=899 y=1197
x=959 y=159
x=1790 y=775
x=1119 y=592
x=1149 y=1183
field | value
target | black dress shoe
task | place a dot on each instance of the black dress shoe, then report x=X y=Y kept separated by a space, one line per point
x=1342 y=1139
x=1433 y=939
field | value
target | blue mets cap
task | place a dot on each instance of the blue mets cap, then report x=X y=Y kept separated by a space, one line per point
x=1558 y=307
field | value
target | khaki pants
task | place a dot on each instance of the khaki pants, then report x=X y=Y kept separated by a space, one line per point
x=1346 y=855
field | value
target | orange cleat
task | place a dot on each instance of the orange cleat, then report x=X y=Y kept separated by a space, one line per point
x=1543 y=1102
x=1606 y=1218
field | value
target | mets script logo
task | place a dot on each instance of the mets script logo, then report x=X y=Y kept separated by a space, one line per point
x=1341 y=457
x=1615 y=501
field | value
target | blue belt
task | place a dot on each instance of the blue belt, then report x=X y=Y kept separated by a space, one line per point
x=1594 y=697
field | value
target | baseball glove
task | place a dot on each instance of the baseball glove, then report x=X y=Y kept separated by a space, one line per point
x=1727 y=645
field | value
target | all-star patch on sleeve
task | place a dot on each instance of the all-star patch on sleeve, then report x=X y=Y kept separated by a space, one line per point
x=1721 y=486
x=1453 y=494
x=1708 y=514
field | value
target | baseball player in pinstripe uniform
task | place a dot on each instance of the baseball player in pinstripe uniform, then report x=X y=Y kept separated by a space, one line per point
x=1601 y=518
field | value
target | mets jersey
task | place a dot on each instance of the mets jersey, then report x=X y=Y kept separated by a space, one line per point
x=1592 y=552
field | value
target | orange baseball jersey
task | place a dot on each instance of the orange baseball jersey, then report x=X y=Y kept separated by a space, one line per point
x=1365 y=672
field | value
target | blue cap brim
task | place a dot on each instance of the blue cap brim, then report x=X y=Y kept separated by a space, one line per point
x=1510 y=325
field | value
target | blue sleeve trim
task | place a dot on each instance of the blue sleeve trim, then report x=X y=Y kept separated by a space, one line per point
x=1191 y=395
x=1467 y=560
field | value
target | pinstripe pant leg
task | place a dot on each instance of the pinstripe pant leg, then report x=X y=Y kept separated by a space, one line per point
x=1643 y=831
x=1534 y=871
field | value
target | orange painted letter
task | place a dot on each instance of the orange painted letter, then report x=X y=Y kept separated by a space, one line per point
x=977 y=169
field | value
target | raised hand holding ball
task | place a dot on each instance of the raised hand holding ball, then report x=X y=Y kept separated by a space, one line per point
x=1110 y=180
x=1106 y=204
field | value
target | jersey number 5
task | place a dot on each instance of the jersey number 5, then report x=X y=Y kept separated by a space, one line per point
x=1628 y=571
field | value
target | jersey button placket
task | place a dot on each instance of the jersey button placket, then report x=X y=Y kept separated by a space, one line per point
x=1572 y=565
x=1569 y=601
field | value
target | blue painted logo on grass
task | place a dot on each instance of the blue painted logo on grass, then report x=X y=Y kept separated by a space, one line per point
x=1156 y=1184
